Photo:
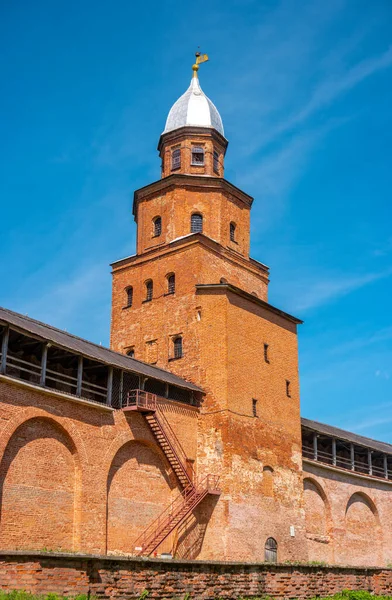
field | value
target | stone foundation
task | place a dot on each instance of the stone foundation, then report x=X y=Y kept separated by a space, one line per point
x=121 y=578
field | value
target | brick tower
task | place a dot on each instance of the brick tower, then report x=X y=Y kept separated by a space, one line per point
x=191 y=300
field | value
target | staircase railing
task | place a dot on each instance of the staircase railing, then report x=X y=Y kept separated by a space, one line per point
x=148 y=402
x=175 y=445
x=174 y=513
x=193 y=492
x=140 y=399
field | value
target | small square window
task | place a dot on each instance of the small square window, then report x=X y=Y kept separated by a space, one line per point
x=197 y=156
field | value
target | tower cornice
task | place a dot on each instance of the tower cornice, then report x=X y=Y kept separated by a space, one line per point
x=156 y=253
x=226 y=288
x=190 y=181
x=188 y=132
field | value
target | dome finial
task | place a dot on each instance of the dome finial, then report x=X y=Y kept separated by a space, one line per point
x=200 y=58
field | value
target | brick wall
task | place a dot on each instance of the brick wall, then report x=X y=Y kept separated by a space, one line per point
x=107 y=578
x=76 y=477
x=347 y=516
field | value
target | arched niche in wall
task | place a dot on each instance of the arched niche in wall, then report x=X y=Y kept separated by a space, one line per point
x=363 y=535
x=317 y=521
x=40 y=487
x=268 y=481
x=139 y=487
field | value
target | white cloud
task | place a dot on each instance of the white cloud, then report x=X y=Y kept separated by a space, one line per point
x=332 y=87
x=67 y=302
x=313 y=293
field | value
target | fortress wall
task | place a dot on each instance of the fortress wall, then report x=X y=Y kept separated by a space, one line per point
x=81 y=478
x=112 y=579
x=348 y=517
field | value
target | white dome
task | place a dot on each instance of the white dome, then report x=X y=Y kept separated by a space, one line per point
x=194 y=109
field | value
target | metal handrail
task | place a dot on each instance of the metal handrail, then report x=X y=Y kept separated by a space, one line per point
x=345 y=463
x=140 y=398
x=148 y=401
x=188 y=498
x=175 y=445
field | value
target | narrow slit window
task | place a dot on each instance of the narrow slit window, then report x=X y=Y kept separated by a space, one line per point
x=266 y=356
x=216 y=162
x=171 y=284
x=196 y=223
x=129 y=296
x=149 y=290
x=177 y=345
x=232 y=231
x=197 y=156
x=288 y=388
x=254 y=407
x=157 y=226
x=176 y=159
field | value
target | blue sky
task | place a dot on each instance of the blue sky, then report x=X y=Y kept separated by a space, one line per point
x=305 y=93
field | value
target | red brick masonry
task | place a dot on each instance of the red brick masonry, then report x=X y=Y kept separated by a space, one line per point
x=107 y=577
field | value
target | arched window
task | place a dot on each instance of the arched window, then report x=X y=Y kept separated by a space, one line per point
x=176 y=159
x=129 y=292
x=197 y=156
x=149 y=290
x=271 y=550
x=232 y=231
x=177 y=344
x=196 y=223
x=157 y=226
x=216 y=161
x=171 y=283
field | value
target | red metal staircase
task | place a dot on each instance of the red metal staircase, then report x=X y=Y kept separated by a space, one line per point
x=194 y=490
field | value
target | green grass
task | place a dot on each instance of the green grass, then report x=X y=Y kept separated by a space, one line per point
x=344 y=595
x=22 y=595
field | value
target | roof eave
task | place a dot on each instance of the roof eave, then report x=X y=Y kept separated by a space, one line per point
x=239 y=292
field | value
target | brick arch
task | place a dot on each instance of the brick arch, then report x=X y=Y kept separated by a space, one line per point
x=139 y=485
x=40 y=486
x=366 y=499
x=363 y=533
x=318 y=521
x=56 y=416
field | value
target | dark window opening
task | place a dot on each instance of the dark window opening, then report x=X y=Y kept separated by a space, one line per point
x=171 y=284
x=271 y=550
x=62 y=370
x=180 y=394
x=196 y=223
x=266 y=358
x=149 y=290
x=131 y=352
x=24 y=356
x=176 y=159
x=129 y=296
x=177 y=346
x=197 y=156
x=232 y=232
x=157 y=226
x=154 y=386
x=94 y=380
x=130 y=381
x=254 y=407
x=216 y=162
x=288 y=391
